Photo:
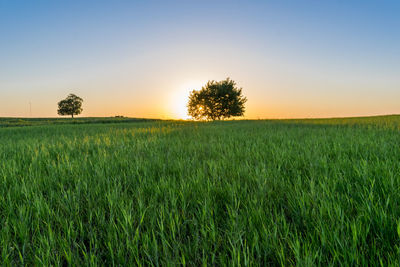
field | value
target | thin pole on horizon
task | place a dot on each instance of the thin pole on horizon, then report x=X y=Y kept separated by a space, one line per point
x=30 y=109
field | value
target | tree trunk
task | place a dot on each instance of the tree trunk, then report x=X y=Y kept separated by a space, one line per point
x=72 y=115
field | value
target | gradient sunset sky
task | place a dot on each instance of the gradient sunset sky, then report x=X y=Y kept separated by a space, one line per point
x=293 y=59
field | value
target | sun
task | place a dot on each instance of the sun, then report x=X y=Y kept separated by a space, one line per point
x=180 y=98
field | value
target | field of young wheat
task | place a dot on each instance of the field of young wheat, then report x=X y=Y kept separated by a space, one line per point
x=235 y=193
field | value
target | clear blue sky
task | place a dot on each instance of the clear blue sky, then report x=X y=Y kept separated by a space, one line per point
x=140 y=58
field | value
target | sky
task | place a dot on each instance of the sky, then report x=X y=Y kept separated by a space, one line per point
x=293 y=59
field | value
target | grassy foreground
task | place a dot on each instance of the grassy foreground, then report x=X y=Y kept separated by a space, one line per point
x=179 y=193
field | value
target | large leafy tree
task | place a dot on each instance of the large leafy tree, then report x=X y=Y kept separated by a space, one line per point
x=216 y=101
x=72 y=105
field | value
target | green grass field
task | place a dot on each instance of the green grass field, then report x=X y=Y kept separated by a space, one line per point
x=244 y=193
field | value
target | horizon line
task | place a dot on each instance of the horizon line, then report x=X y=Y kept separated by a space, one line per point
x=232 y=119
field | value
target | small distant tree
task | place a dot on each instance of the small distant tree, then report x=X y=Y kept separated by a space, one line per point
x=72 y=105
x=216 y=101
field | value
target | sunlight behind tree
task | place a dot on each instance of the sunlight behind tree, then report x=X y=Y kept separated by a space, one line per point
x=178 y=101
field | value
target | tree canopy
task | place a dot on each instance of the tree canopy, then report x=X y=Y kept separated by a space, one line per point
x=72 y=105
x=216 y=101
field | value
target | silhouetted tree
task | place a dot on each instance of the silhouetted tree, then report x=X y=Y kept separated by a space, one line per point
x=72 y=105
x=216 y=101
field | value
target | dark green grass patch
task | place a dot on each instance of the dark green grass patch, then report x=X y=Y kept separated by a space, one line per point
x=18 y=122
